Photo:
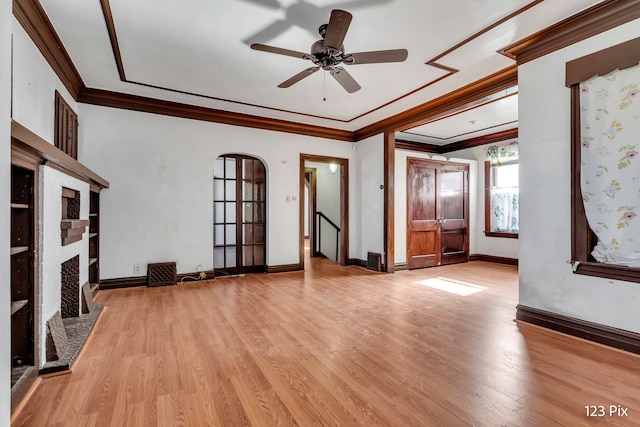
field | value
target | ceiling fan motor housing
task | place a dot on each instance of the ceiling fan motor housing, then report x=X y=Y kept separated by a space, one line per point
x=326 y=57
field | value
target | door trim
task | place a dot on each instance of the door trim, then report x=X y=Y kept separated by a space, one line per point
x=312 y=204
x=344 y=203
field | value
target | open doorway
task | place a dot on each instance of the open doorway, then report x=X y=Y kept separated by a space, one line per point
x=324 y=207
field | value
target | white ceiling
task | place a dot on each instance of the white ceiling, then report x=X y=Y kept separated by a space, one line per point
x=197 y=52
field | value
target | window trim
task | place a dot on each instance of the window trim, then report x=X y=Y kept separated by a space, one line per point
x=620 y=56
x=487 y=206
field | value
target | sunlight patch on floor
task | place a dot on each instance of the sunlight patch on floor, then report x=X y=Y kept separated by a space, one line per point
x=451 y=286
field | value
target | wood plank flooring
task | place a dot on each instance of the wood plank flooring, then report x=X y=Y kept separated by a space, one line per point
x=334 y=347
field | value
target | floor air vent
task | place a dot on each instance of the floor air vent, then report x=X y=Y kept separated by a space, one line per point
x=374 y=261
x=161 y=274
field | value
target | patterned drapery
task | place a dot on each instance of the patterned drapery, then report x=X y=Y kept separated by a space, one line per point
x=610 y=171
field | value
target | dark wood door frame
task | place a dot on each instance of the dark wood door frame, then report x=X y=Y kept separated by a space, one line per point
x=344 y=203
x=389 y=201
x=310 y=183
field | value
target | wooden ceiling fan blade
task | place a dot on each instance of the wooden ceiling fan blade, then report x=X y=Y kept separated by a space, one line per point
x=301 y=75
x=346 y=81
x=376 y=57
x=339 y=22
x=280 y=51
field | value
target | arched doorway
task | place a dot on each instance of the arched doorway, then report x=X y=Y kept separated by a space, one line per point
x=239 y=215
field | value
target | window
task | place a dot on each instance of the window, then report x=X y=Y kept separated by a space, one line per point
x=583 y=239
x=66 y=128
x=501 y=201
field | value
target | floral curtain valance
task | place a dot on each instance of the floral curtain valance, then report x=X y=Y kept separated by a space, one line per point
x=610 y=170
x=505 y=151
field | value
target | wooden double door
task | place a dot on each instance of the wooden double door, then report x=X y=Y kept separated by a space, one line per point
x=437 y=213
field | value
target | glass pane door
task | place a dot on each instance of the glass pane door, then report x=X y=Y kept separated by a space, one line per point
x=239 y=214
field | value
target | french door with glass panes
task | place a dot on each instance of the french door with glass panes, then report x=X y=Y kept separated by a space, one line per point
x=239 y=215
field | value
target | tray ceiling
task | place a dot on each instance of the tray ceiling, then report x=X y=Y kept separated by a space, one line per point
x=197 y=52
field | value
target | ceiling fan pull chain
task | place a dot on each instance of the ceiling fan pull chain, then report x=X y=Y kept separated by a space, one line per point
x=324 y=87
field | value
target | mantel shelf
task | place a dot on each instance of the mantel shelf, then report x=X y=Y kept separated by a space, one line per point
x=73 y=223
x=17 y=305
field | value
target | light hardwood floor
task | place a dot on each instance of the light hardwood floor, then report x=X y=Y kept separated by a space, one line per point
x=336 y=347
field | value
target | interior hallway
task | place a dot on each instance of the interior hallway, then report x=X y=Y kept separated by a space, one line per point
x=333 y=346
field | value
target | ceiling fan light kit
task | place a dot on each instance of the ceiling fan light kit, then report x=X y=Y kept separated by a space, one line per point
x=328 y=53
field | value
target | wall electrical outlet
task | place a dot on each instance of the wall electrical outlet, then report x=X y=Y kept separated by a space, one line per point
x=137 y=268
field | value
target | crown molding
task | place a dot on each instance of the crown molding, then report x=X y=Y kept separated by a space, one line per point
x=404 y=144
x=480 y=140
x=590 y=22
x=151 y=105
x=35 y=22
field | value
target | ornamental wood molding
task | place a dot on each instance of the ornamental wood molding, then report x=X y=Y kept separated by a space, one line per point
x=590 y=22
x=168 y=108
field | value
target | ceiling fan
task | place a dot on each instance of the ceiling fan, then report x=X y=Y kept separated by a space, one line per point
x=328 y=53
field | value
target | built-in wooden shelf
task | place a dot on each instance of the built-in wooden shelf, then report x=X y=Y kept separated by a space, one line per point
x=19 y=249
x=17 y=305
x=19 y=206
x=94 y=241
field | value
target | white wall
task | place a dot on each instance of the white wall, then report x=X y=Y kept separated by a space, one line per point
x=34 y=86
x=369 y=171
x=400 y=186
x=160 y=169
x=327 y=202
x=546 y=280
x=52 y=253
x=485 y=245
x=5 y=197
